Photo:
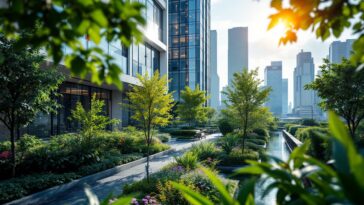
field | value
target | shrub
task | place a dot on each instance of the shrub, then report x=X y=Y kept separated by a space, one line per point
x=293 y=129
x=309 y=122
x=236 y=157
x=144 y=187
x=228 y=142
x=257 y=141
x=188 y=160
x=261 y=132
x=184 y=133
x=28 y=144
x=5 y=146
x=319 y=146
x=164 y=137
x=204 y=150
x=170 y=195
x=225 y=126
x=18 y=187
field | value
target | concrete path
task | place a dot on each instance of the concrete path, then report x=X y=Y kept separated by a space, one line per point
x=110 y=184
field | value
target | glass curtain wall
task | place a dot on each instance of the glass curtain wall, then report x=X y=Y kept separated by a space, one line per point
x=187 y=44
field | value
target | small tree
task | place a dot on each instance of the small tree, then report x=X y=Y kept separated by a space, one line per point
x=91 y=121
x=341 y=88
x=151 y=104
x=191 y=108
x=25 y=89
x=245 y=98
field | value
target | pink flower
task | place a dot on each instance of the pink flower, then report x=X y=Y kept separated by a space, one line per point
x=5 y=155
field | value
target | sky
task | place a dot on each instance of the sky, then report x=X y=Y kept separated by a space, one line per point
x=263 y=44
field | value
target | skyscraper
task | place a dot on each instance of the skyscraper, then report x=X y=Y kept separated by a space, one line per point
x=284 y=97
x=237 y=51
x=273 y=79
x=339 y=50
x=189 y=45
x=304 y=73
x=215 y=80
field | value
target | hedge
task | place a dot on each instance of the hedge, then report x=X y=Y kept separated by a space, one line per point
x=185 y=133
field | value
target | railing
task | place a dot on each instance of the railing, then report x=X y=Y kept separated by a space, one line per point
x=291 y=141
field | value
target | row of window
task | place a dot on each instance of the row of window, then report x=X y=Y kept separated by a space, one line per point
x=154 y=16
x=184 y=28
x=191 y=16
x=144 y=59
x=176 y=6
x=184 y=52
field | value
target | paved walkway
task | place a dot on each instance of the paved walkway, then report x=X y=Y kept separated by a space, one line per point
x=113 y=183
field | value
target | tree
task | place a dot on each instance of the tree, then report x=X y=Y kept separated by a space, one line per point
x=245 y=99
x=151 y=105
x=91 y=121
x=60 y=24
x=324 y=17
x=210 y=114
x=25 y=88
x=191 y=108
x=341 y=88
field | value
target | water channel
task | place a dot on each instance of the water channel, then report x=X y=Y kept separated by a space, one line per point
x=276 y=148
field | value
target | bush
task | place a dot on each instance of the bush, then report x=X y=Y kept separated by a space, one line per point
x=204 y=150
x=228 y=142
x=319 y=146
x=236 y=157
x=293 y=129
x=225 y=126
x=165 y=137
x=142 y=186
x=5 y=146
x=184 y=133
x=309 y=122
x=18 y=187
x=261 y=132
x=257 y=141
x=188 y=160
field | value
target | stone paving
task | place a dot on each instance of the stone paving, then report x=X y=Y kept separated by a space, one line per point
x=110 y=184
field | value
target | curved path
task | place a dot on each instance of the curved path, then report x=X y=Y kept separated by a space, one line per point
x=110 y=184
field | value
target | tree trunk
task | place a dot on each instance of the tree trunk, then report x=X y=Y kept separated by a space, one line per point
x=12 y=139
x=17 y=133
x=147 y=166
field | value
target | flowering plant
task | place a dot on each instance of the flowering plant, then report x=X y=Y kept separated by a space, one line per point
x=147 y=200
x=5 y=155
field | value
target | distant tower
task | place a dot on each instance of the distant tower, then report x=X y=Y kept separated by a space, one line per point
x=284 y=97
x=215 y=80
x=273 y=79
x=304 y=73
x=237 y=51
x=339 y=50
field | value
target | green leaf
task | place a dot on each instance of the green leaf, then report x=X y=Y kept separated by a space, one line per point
x=193 y=197
x=226 y=197
x=124 y=200
x=246 y=191
x=99 y=17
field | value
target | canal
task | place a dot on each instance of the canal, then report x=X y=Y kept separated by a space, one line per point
x=276 y=148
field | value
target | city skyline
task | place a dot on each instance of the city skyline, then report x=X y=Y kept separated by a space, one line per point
x=263 y=44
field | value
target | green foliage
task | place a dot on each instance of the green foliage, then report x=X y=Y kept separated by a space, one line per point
x=225 y=126
x=341 y=88
x=91 y=121
x=309 y=122
x=228 y=142
x=164 y=137
x=67 y=23
x=319 y=146
x=237 y=157
x=191 y=108
x=183 y=132
x=188 y=160
x=293 y=129
x=19 y=187
x=324 y=18
x=343 y=184
x=244 y=101
x=261 y=132
x=151 y=105
x=26 y=89
x=204 y=150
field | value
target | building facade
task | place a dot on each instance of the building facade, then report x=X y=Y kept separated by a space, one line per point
x=189 y=45
x=273 y=79
x=215 y=80
x=304 y=100
x=339 y=50
x=284 y=97
x=237 y=51
x=146 y=57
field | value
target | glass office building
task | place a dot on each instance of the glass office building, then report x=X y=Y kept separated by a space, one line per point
x=189 y=41
x=149 y=56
